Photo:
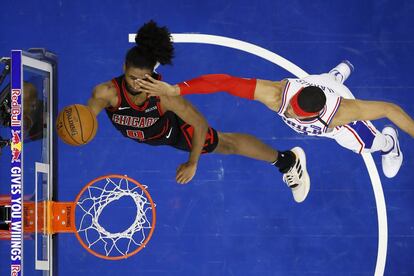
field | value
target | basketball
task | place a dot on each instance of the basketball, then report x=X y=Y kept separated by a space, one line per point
x=76 y=125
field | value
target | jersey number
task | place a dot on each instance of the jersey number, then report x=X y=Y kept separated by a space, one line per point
x=135 y=134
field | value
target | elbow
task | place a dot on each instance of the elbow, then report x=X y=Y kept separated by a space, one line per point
x=200 y=121
x=202 y=125
x=392 y=109
x=393 y=106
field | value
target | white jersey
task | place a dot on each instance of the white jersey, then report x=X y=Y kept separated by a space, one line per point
x=315 y=126
x=359 y=136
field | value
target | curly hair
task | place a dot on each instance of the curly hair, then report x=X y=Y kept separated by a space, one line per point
x=153 y=45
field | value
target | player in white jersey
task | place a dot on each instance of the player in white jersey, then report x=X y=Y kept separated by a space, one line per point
x=315 y=105
x=358 y=136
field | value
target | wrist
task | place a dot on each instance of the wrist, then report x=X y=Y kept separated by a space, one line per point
x=175 y=90
x=192 y=162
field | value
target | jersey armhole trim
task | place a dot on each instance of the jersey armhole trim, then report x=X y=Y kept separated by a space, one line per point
x=161 y=112
x=118 y=93
x=338 y=103
x=284 y=96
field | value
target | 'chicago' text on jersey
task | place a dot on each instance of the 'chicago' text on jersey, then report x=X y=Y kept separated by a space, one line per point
x=138 y=122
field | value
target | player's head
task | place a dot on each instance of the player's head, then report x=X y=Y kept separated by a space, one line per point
x=307 y=102
x=153 y=46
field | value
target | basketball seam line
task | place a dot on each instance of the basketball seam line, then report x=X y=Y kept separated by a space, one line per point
x=70 y=136
x=93 y=133
x=80 y=124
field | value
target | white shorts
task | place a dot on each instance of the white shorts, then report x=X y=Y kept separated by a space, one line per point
x=359 y=136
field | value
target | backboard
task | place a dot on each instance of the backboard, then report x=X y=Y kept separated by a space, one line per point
x=33 y=174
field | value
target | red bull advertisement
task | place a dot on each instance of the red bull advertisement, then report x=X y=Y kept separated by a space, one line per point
x=16 y=188
x=16 y=146
x=16 y=108
x=15 y=270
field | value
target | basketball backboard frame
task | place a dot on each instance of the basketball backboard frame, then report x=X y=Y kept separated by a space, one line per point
x=43 y=63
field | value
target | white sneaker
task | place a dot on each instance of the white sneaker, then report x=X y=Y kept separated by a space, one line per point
x=297 y=178
x=342 y=71
x=392 y=160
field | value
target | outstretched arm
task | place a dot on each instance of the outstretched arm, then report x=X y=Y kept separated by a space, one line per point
x=191 y=116
x=264 y=91
x=359 y=110
x=204 y=84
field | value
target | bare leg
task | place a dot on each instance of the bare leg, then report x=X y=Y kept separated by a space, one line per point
x=245 y=145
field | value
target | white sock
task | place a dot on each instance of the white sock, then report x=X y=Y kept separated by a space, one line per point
x=382 y=143
x=389 y=145
x=341 y=72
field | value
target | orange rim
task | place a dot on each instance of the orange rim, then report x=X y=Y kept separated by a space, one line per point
x=153 y=221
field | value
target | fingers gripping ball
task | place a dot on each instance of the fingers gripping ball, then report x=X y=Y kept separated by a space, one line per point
x=76 y=125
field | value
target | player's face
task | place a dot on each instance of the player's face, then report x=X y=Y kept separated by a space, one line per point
x=132 y=75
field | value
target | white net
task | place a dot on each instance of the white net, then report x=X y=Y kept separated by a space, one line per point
x=91 y=205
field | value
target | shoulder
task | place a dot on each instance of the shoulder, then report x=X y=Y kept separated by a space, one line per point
x=105 y=90
x=270 y=93
x=104 y=95
x=349 y=110
x=351 y=105
x=364 y=106
x=105 y=87
x=173 y=103
x=166 y=101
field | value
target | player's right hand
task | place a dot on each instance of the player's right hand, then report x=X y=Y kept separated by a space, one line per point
x=157 y=88
x=186 y=172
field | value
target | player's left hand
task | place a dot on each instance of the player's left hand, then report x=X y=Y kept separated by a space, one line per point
x=186 y=172
x=157 y=88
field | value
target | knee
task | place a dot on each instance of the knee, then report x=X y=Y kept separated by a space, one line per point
x=227 y=144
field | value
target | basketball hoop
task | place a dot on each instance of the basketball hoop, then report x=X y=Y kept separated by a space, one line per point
x=82 y=217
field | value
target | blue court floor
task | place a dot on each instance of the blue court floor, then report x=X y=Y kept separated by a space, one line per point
x=236 y=217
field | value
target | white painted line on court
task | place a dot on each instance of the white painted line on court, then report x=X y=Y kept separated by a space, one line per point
x=298 y=72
